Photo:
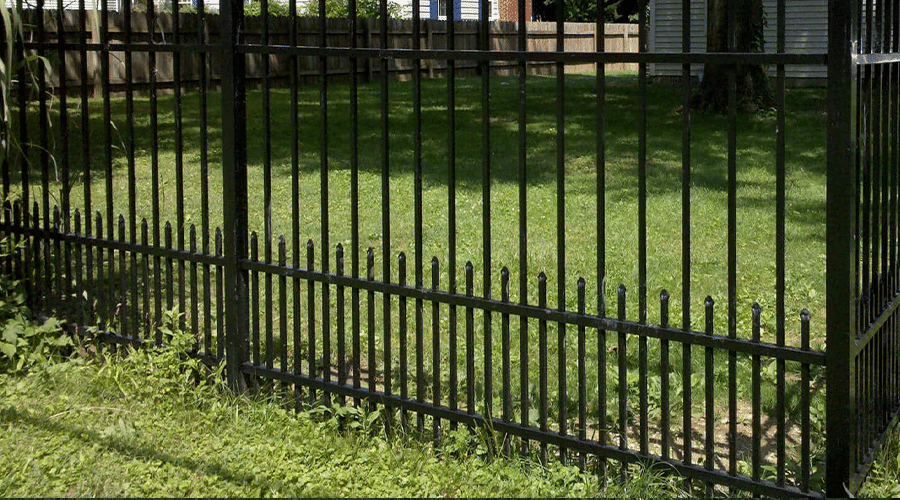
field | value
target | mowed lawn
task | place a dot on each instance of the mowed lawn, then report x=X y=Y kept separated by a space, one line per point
x=756 y=161
x=805 y=232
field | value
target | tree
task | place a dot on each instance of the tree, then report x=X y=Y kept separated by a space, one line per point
x=341 y=8
x=333 y=8
x=752 y=81
x=585 y=11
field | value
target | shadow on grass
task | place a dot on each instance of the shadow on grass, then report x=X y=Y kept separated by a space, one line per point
x=124 y=447
x=806 y=132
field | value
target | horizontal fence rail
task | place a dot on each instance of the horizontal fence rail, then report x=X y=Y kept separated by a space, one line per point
x=463 y=224
x=194 y=30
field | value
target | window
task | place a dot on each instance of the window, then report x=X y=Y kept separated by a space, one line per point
x=442 y=9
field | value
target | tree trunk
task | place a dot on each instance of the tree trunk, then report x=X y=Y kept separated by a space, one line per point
x=752 y=81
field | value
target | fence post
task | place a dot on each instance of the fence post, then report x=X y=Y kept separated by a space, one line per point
x=429 y=45
x=234 y=191
x=367 y=37
x=840 y=430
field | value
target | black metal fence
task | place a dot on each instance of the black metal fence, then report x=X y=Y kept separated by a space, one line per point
x=862 y=261
x=430 y=347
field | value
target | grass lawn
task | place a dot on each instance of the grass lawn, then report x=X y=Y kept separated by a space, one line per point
x=129 y=429
x=756 y=185
x=139 y=427
x=805 y=232
x=884 y=477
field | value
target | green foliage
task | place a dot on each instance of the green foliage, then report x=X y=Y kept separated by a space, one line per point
x=167 y=371
x=758 y=33
x=636 y=17
x=348 y=419
x=585 y=11
x=109 y=429
x=276 y=9
x=24 y=343
x=333 y=9
x=884 y=478
x=341 y=8
x=10 y=65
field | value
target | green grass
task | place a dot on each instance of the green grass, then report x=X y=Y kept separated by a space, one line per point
x=805 y=223
x=755 y=185
x=86 y=429
x=884 y=477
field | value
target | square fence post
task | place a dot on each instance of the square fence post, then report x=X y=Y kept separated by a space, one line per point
x=234 y=192
x=841 y=231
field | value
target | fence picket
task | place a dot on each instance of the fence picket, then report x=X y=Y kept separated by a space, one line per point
x=505 y=368
x=80 y=312
x=709 y=440
x=404 y=361
x=341 y=331
x=435 y=350
x=756 y=383
x=542 y=364
x=145 y=279
x=664 y=368
x=470 y=345
x=195 y=294
x=124 y=325
x=310 y=323
x=622 y=364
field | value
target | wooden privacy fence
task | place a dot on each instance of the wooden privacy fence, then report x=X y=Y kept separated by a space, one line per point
x=580 y=37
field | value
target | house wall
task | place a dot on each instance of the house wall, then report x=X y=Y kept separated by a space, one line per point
x=509 y=10
x=406 y=9
x=112 y=5
x=463 y=10
x=806 y=31
x=466 y=10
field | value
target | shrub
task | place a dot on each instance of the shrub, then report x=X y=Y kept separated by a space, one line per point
x=25 y=343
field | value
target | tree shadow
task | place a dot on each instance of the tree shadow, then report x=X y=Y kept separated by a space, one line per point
x=756 y=157
x=127 y=448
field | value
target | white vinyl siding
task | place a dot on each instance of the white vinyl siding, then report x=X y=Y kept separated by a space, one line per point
x=112 y=5
x=468 y=10
x=806 y=31
x=406 y=9
x=469 y=7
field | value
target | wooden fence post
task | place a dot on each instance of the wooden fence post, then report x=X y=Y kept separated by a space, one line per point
x=429 y=45
x=94 y=56
x=367 y=30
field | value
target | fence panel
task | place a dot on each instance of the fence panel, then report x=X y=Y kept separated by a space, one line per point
x=580 y=37
x=450 y=249
x=867 y=140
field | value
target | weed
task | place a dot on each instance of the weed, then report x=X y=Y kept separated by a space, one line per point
x=884 y=477
x=25 y=343
x=131 y=425
x=167 y=371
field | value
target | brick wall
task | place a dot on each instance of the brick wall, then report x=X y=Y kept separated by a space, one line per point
x=509 y=10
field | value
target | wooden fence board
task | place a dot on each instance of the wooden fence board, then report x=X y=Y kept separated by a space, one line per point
x=580 y=37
